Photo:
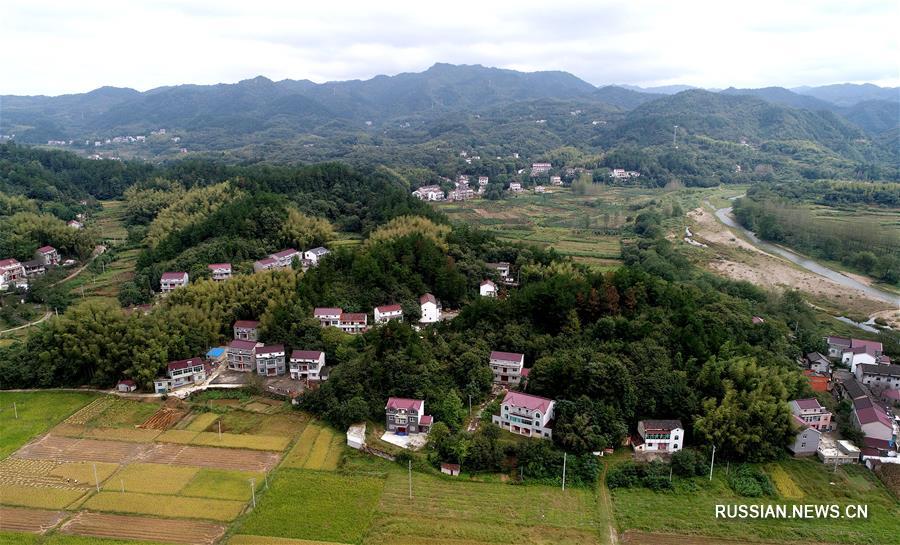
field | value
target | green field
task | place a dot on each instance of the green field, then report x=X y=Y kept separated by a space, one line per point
x=318 y=447
x=18 y=538
x=690 y=508
x=315 y=505
x=37 y=412
x=222 y=484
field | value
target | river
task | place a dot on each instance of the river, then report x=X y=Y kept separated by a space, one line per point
x=724 y=215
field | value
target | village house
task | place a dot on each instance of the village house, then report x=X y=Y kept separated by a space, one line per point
x=328 y=316
x=431 y=309
x=555 y=180
x=540 y=168
x=12 y=274
x=172 y=280
x=220 y=271
x=812 y=413
x=501 y=268
x=872 y=420
x=658 y=436
x=353 y=322
x=356 y=436
x=879 y=377
x=539 y=189
x=181 y=373
x=386 y=313
x=488 y=288
x=837 y=452
x=515 y=187
x=506 y=367
x=48 y=255
x=34 y=267
x=850 y=389
x=216 y=356
x=621 y=173
x=806 y=442
x=852 y=352
x=526 y=415
x=270 y=360
x=483 y=181
x=406 y=416
x=75 y=224
x=429 y=193
x=241 y=355
x=265 y=264
x=246 y=330
x=817 y=362
x=461 y=194
x=450 y=469
x=125 y=386
x=315 y=255
x=285 y=258
x=306 y=364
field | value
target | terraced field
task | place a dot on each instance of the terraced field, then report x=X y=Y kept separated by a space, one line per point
x=14 y=519
x=318 y=447
x=104 y=525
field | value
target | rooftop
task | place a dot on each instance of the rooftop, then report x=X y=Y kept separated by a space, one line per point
x=246 y=324
x=328 y=311
x=388 y=308
x=306 y=354
x=427 y=298
x=664 y=425
x=404 y=403
x=241 y=344
x=183 y=364
x=269 y=349
x=808 y=404
x=507 y=356
x=526 y=401
x=173 y=275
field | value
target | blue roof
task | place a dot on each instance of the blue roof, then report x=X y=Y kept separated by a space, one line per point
x=215 y=352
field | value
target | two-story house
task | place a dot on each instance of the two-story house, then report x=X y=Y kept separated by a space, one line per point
x=270 y=360
x=48 y=255
x=171 y=281
x=431 y=309
x=540 y=168
x=658 y=436
x=812 y=413
x=806 y=441
x=526 y=415
x=12 y=274
x=506 y=367
x=406 y=416
x=879 y=377
x=873 y=421
x=279 y=260
x=353 y=322
x=307 y=364
x=386 y=313
x=429 y=193
x=315 y=255
x=181 y=373
x=818 y=363
x=265 y=264
x=220 y=271
x=501 y=268
x=488 y=288
x=241 y=355
x=328 y=315
x=246 y=330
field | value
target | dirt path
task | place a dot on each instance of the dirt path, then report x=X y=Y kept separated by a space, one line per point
x=606 y=503
x=46 y=316
x=98 y=250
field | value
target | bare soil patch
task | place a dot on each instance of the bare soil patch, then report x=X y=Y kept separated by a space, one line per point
x=190 y=532
x=38 y=521
x=633 y=537
x=163 y=419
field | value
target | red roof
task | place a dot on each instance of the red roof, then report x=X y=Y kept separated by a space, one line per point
x=269 y=349
x=9 y=262
x=173 y=276
x=389 y=308
x=451 y=467
x=891 y=394
x=840 y=341
x=46 y=249
x=869 y=347
x=872 y=414
x=220 y=266
x=525 y=371
x=267 y=261
x=127 y=382
x=530 y=402
x=306 y=354
x=507 y=356
x=246 y=324
x=241 y=344
x=353 y=317
x=426 y=420
x=182 y=364
x=488 y=283
x=404 y=403
x=328 y=311
x=285 y=253
x=808 y=404
x=427 y=298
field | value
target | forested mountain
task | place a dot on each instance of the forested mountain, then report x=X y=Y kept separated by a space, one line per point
x=849 y=94
x=875 y=116
x=783 y=97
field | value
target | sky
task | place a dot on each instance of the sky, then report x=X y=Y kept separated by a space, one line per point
x=57 y=47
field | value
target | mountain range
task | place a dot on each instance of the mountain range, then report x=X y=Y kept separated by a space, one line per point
x=457 y=103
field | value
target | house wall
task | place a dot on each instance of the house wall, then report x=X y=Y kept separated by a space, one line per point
x=806 y=442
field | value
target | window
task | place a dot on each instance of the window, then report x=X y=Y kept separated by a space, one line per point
x=537 y=415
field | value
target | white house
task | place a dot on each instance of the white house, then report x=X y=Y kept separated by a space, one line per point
x=353 y=322
x=431 y=309
x=12 y=274
x=307 y=364
x=483 y=180
x=855 y=356
x=270 y=360
x=879 y=377
x=488 y=288
x=429 y=193
x=658 y=436
x=265 y=264
x=540 y=168
x=126 y=386
x=181 y=373
x=285 y=258
x=555 y=180
x=502 y=269
x=806 y=441
x=515 y=187
x=314 y=255
x=872 y=420
x=172 y=280
x=506 y=367
x=328 y=315
x=75 y=224
x=48 y=255
x=220 y=271
x=386 y=313
x=526 y=415
x=356 y=436
x=450 y=469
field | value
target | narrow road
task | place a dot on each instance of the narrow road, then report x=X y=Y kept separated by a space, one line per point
x=46 y=316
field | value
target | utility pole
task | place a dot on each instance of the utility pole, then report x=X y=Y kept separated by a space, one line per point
x=470 y=404
x=409 y=468
x=253 y=491
x=266 y=477
x=16 y=410
x=675 y=136
x=564 y=472
x=712 y=462
x=96 y=481
x=220 y=430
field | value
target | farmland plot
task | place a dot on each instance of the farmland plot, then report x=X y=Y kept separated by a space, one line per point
x=151 y=478
x=37 y=412
x=14 y=519
x=165 y=506
x=104 y=525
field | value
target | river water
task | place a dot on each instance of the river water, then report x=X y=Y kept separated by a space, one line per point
x=724 y=215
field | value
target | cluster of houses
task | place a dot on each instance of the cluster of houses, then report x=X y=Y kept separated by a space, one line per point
x=870 y=382
x=14 y=274
x=622 y=174
x=462 y=191
x=246 y=354
x=357 y=322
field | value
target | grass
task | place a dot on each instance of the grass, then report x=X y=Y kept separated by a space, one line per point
x=265 y=540
x=151 y=478
x=690 y=508
x=202 y=421
x=315 y=505
x=222 y=484
x=165 y=506
x=133 y=435
x=40 y=497
x=37 y=412
x=125 y=413
x=299 y=454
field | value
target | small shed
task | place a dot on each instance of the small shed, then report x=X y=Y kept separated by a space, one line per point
x=126 y=386
x=356 y=436
x=450 y=469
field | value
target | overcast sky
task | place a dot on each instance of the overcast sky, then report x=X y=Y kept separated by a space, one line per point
x=56 y=47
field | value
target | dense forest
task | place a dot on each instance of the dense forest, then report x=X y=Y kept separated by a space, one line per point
x=861 y=240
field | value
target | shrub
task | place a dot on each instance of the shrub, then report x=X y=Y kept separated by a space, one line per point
x=750 y=482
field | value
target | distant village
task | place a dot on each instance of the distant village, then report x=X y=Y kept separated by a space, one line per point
x=157 y=135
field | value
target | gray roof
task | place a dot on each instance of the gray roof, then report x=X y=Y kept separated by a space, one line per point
x=853 y=389
x=662 y=424
x=883 y=370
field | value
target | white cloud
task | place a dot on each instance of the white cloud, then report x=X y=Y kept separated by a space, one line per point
x=61 y=47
